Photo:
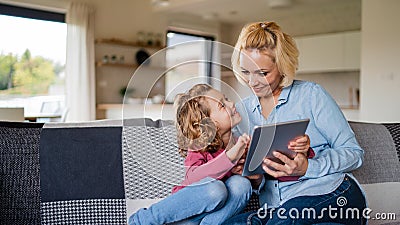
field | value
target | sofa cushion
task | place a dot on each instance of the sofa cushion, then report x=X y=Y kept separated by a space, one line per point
x=381 y=162
x=81 y=175
x=152 y=165
x=19 y=173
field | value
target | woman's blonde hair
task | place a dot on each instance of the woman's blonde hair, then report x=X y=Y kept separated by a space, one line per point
x=268 y=37
x=195 y=130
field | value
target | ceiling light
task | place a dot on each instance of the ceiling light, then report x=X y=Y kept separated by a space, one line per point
x=279 y=3
x=160 y=3
x=210 y=16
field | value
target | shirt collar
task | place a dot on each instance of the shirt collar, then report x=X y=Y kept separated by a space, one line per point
x=283 y=97
x=255 y=103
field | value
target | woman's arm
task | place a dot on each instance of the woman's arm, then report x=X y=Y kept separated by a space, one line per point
x=343 y=153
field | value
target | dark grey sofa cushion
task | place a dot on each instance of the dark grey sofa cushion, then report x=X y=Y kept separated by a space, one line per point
x=381 y=162
x=19 y=173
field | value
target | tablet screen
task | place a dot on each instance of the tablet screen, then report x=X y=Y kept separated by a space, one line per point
x=269 y=138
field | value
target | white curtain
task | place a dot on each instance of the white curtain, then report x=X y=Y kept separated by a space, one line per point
x=80 y=74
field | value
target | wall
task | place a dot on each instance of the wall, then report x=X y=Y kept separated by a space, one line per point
x=341 y=85
x=380 y=66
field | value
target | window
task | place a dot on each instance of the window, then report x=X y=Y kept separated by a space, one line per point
x=192 y=53
x=32 y=59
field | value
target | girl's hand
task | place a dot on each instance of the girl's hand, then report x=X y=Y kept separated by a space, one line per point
x=238 y=168
x=237 y=151
x=255 y=180
x=300 y=144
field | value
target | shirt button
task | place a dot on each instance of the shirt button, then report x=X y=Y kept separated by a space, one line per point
x=276 y=185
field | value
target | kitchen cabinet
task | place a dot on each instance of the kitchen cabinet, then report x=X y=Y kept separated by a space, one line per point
x=329 y=52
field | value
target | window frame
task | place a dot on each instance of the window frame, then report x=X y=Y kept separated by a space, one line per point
x=30 y=13
x=208 y=38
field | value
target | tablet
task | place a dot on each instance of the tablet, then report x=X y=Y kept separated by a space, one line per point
x=267 y=138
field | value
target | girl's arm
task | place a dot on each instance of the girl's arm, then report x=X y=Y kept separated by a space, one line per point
x=198 y=167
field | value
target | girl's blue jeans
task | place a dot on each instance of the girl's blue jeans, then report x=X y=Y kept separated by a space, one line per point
x=208 y=201
x=338 y=207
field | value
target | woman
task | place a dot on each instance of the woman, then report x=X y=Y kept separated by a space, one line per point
x=266 y=59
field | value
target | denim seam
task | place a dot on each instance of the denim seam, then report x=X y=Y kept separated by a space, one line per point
x=335 y=195
x=250 y=217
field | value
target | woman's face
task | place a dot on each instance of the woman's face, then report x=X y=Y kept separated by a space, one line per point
x=259 y=71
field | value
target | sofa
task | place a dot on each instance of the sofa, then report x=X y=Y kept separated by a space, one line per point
x=101 y=172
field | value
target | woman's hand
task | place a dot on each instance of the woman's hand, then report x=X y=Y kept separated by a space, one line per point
x=300 y=144
x=291 y=167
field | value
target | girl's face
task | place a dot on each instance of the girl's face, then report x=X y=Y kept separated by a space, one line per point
x=222 y=111
x=259 y=71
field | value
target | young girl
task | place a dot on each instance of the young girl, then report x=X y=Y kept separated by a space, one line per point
x=209 y=193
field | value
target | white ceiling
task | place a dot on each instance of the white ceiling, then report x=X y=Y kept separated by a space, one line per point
x=302 y=17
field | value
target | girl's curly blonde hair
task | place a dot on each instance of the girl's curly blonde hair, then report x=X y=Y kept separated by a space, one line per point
x=195 y=130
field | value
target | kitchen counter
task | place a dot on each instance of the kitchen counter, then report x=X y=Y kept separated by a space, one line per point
x=153 y=111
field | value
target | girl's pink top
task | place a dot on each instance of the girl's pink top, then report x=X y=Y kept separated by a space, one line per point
x=199 y=165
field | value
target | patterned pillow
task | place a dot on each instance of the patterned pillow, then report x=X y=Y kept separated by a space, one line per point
x=81 y=177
